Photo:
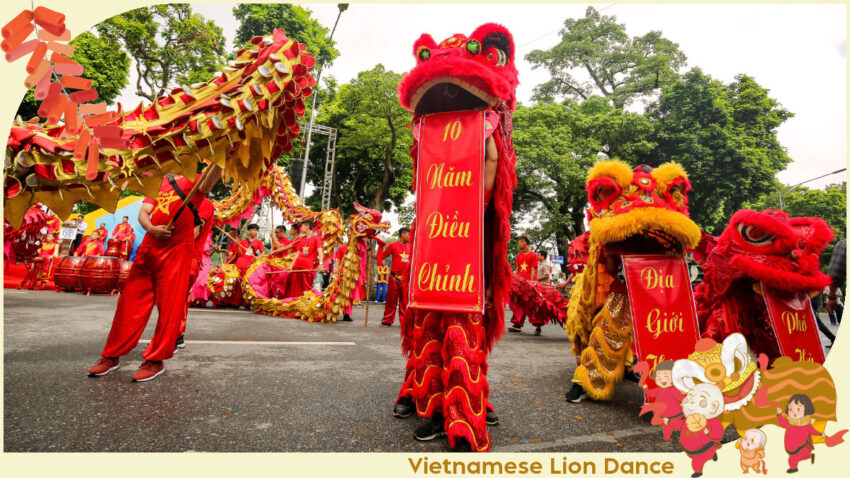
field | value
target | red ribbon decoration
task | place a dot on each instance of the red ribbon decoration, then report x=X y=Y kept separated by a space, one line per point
x=447 y=270
x=793 y=324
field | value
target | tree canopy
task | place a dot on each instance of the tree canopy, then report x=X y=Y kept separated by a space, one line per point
x=170 y=45
x=597 y=57
x=373 y=164
x=260 y=19
x=724 y=135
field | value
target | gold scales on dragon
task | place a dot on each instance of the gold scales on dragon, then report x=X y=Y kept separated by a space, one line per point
x=243 y=119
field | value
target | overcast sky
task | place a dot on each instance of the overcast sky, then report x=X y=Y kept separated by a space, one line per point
x=798 y=52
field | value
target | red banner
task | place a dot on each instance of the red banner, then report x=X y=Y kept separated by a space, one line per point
x=664 y=318
x=447 y=268
x=793 y=324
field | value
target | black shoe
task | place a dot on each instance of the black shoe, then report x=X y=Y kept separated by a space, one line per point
x=403 y=408
x=696 y=475
x=386 y=325
x=346 y=318
x=462 y=446
x=537 y=332
x=514 y=328
x=181 y=343
x=492 y=419
x=431 y=430
x=631 y=376
x=576 y=393
x=792 y=470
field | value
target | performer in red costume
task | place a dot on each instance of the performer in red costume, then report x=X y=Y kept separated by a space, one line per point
x=302 y=273
x=53 y=223
x=280 y=248
x=797 y=422
x=91 y=245
x=206 y=211
x=446 y=372
x=159 y=276
x=102 y=234
x=701 y=429
x=397 y=294
x=122 y=233
x=250 y=248
x=526 y=267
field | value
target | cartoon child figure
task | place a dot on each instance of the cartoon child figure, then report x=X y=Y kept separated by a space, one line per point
x=667 y=407
x=797 y=422
x=751 y=446
x=701 y=429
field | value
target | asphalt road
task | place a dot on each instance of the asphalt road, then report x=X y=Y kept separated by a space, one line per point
x=248 y=382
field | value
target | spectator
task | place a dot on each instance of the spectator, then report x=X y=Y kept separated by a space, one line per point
x=837 y=272
x=544 y=269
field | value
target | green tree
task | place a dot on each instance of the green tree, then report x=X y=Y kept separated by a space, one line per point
x=105 y=64
x=596 y=56
x=297 y=22
x=724 y=135
x=170 y=45
x=555 y=146
x=373 y=164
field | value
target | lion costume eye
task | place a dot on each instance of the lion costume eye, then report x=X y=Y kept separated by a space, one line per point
x=754 y=235
x=496 y=56
x=423 y=53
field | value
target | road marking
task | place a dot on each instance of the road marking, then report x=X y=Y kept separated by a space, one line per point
x=255 y=342
x=591 y=437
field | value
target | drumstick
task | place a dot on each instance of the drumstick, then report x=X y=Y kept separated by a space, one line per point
x=188 y=197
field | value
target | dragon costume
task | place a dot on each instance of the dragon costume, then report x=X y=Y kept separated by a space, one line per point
x=541 y=303
x=758 y=247
x=446 y=372
x=364 y=224
x=242 y=120
x=640 y=211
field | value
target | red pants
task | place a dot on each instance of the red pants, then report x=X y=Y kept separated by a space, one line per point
x=299 y=282
x=804 y=454
x=447 y=373
x=518 y=318
x=396 y=297
x=159 y=276
x=699 y=460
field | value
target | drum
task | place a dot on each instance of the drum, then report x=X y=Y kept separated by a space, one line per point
x=114 y=249
x=123 y=273
x=99 y=273
x=66 y=276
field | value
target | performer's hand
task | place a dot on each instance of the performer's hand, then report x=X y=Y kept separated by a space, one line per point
x=161 y=233
x=778 y=411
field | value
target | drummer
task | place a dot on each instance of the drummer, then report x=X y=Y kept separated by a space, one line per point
x=159 y=276
x=91 y=245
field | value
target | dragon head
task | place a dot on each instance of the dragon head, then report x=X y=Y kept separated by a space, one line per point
x=367 y=222
x=780 y=251
x=462 y=73
x=644 y=209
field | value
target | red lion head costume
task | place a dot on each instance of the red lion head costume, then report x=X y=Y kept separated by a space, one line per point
x=768 y=247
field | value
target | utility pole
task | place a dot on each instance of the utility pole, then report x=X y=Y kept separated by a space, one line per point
x=781 y=190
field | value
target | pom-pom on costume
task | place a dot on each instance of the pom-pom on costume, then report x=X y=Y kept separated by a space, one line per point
x=767 y=247
x=640 y=212
x=446 y=369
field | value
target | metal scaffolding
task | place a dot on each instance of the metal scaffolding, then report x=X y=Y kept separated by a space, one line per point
x=330 y=158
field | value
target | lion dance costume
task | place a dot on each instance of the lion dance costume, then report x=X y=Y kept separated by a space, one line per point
x=644 y=211
x=758 y=247
x=446 y=367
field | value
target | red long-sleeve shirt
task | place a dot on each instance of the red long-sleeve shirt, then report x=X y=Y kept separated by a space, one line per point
x=400 y=254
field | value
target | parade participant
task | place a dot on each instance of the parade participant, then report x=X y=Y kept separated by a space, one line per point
x=797 y=421
x=121 y=233
x=91 y=245
x=200 y=247
x=357 y=292
x=53 y=222
x=302 y=272
x=281 y=247
x=43 y=264
x=81 y=231
x=159 y=276
x=251 y=247
x=399 y=251
x=279 y=238
x=235 y=251
x=473 y=78
x=526 y=267
x=382 y=272
x=544 y=269
x=102 y=234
